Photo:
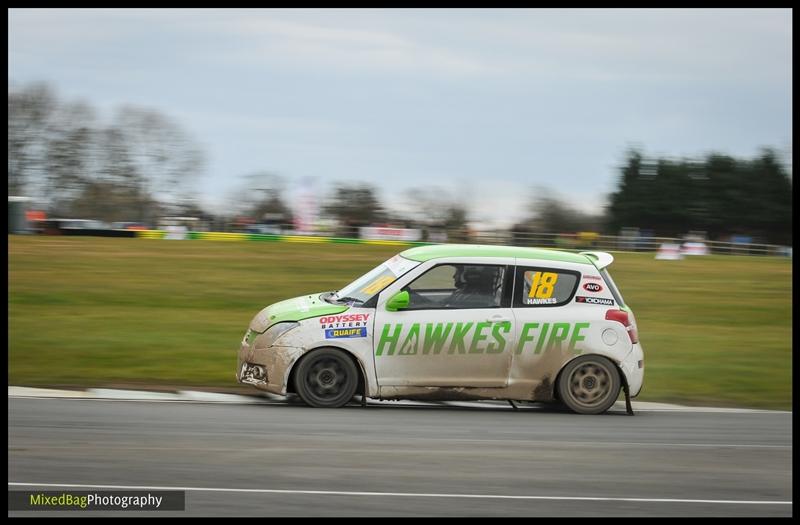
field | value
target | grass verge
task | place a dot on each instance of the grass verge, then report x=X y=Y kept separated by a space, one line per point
x=103 y=311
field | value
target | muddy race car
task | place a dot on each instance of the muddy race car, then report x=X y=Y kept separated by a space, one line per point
x=455 y=322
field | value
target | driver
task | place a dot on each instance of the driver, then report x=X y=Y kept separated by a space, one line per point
x=475 y=287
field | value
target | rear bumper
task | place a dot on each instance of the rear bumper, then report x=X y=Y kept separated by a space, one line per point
x=633 y=368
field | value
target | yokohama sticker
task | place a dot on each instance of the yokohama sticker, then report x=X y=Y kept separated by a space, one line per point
x=592 y=287
x=594 y=300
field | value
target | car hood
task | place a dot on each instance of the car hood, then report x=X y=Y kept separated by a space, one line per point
x=295 y=309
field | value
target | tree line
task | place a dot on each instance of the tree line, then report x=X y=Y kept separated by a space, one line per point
x=140 y=166
x=719 y=194
x=143 y=165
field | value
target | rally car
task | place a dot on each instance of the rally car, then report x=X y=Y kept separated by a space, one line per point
x=455 y=322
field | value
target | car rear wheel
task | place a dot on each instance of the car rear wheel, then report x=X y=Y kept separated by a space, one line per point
x=589 y=384
x=327 y=378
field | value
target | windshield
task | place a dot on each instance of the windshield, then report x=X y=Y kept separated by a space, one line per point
x=362 y=289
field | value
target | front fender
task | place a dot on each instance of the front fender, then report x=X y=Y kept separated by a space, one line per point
x=370 y=386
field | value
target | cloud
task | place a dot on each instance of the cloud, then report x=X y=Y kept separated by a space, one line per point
x=405 y=97
x=268 y=39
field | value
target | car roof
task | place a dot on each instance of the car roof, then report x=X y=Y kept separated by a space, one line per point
x=438 y=251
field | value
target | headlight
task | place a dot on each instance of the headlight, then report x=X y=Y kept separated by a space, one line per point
x=274 y=333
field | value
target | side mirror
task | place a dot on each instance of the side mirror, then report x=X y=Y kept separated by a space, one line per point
x=399 y=301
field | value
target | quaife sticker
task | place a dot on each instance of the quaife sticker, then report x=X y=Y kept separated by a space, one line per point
x=592 y=287
x=594 y=300
x=345 y=333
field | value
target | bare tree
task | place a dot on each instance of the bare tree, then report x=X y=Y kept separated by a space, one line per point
x=260 y=197
x=552 y=215
x=29 y=111
x=57 y=152
x=166 y=157
x=69 y=152
x=436 y=209
x=354 y=206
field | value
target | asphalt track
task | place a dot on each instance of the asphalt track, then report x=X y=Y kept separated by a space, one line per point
x=396 y=460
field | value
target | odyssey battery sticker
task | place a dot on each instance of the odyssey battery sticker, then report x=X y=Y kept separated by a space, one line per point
x=344 y=326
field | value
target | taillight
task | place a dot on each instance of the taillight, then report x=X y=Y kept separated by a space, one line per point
x=621 y=316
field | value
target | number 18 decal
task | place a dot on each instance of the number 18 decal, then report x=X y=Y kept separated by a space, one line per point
x=542 y=285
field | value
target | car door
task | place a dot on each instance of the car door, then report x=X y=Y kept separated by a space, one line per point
x=456 y=331
x=551 y=329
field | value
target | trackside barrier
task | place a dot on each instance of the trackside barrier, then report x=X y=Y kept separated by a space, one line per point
x=306 y=239
x=151 y=234
x=542 y=240
x=218 y=236
x=566 y=241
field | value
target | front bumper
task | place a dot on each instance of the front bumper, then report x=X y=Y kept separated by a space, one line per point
x=275 y=361
x=633 y=368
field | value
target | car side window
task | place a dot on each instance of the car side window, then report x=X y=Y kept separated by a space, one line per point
x=535 y=286
x=447 y=286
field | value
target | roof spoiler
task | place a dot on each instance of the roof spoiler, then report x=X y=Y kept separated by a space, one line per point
x=599 y=259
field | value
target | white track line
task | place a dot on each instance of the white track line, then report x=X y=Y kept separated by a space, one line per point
x=188 y=396
x=407 y=494
x=22 y=391
x=565 y=444
x=539 y=443
x=216 y=397
x=144 y=395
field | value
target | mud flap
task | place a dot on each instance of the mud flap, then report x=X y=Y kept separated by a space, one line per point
x=628 y=406
x=363 y=389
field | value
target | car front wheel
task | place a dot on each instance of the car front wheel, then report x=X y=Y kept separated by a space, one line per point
x=327 y=378
x=589 y=384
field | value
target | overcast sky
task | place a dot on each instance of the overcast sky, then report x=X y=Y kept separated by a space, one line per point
x=488 y=105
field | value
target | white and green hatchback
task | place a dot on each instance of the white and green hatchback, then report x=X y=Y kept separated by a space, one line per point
x=455 y=322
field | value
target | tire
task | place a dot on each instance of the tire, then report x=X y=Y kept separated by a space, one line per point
x=326 y=378
x=589 y=384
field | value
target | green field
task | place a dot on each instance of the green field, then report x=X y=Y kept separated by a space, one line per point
x=122 y=312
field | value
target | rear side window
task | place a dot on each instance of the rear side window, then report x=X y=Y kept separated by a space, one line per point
x=611 y=286
x=537 y=286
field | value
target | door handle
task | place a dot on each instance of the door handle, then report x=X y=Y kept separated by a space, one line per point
x=498 y=319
